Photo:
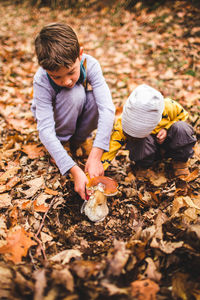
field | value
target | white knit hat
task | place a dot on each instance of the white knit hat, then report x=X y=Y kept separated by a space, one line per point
x=142 y=111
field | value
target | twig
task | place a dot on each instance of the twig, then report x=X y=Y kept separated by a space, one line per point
x=42 y=223
x=40 y=228
x=42 y=249
x=32 y=260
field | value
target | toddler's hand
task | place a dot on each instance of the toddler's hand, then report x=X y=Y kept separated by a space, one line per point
x=161 y=136
x=80 y=181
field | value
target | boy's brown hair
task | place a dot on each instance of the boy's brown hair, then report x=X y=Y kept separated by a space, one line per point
x=56 y=46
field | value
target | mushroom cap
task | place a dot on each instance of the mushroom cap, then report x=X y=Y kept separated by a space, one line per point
x=109 y=185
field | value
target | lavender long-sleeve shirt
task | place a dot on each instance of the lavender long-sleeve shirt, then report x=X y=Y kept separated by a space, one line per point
x=43 y=109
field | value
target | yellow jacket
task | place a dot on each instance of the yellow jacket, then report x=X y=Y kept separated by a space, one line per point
x=172 y=113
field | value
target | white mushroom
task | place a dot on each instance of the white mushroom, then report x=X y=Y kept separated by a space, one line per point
x=96 y=208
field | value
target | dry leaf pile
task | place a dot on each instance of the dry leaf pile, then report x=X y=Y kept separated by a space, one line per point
x=148 y=247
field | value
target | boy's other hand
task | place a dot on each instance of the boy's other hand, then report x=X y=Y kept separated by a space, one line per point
x=94 y=166
x=161 y=136
x=80 y=181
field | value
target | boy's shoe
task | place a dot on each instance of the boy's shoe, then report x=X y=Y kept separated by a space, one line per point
x=180 y=169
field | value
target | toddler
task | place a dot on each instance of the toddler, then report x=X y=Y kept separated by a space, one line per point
x=148 y=124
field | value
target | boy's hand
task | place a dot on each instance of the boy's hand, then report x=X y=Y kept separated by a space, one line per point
x=161 y=136
x=80 y=181
x=94 y=166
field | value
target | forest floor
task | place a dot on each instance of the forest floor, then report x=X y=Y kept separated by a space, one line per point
x=148 y=247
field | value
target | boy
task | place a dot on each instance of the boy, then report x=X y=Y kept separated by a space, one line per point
x=148 y=124
x=63 y=107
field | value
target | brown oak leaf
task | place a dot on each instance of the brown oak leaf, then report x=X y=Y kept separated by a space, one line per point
x=18 y=243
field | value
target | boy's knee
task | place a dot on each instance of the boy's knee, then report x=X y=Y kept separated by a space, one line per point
x=78 y=95
x=91 y=104
x=71 y=99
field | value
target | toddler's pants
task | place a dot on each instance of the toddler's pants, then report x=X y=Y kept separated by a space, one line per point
x=178 y=146
x=75 y=114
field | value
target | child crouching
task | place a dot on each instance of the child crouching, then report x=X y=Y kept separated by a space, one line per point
x=150 y=124
x=63 y=106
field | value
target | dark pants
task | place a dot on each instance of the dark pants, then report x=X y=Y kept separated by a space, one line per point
x=178 y=146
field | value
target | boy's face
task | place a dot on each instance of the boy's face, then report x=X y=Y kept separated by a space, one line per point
x=67 y=77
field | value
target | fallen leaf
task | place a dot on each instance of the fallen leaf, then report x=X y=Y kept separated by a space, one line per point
x=19 y=124
x=151 y=271
x=3 y=227
x=45 y=237
x=35 y=185
x=12 y=182
x=165 y=246
x=190 y=215
x=145 y=198
x=6 y=280
x=156 y=179
x=18 y=243
x=5 y=200
x=167 y=75
x=113 y=289
x=195 y=228
x=33 y=151
x=65 y=256
x=14 y=216
x=117 y=258
x=192 y=176
x=41 y=207
x=197 y=149
x=176 y=205
x=144 y=289
x=8 y=174
x=86 y=269
x=26 y=204
x=40 y=283
x=130 y=177
x=137 y=247
x=50 y=192
x=190 y=203
x=39 y=204
x=64 y=277
x=179 y=286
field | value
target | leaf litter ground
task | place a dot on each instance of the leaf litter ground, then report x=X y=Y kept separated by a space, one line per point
x=148 y=246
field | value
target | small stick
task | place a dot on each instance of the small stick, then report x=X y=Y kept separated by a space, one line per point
x=40 y=228
x=42 y=222
x=42 y=249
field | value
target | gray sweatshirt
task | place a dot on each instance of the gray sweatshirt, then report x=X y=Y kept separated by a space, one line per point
x=44 y=97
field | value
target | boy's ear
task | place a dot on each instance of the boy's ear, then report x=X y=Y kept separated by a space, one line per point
x=81 y=53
